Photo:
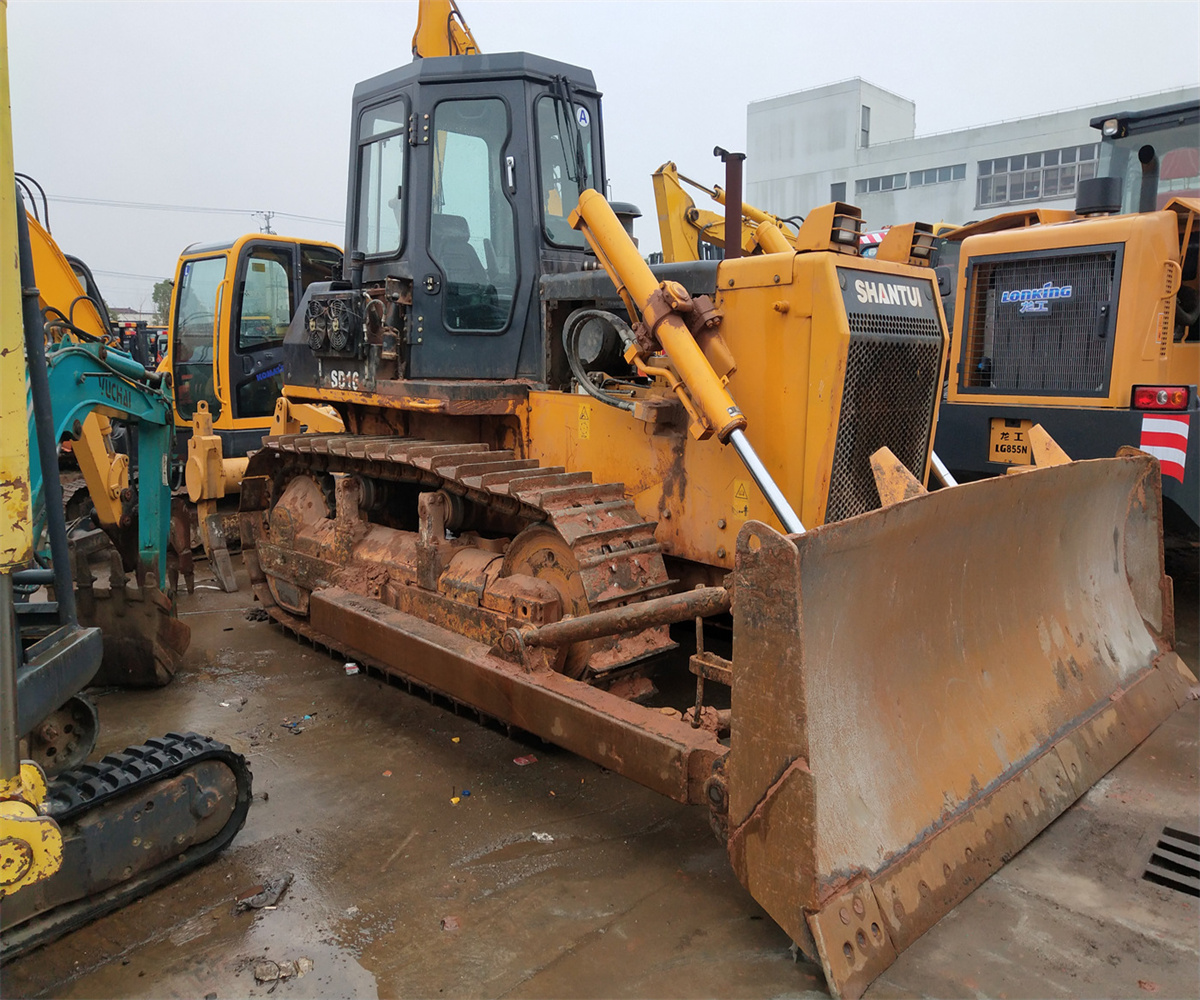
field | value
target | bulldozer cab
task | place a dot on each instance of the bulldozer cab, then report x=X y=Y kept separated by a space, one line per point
x=231 y=308
x=463 y=172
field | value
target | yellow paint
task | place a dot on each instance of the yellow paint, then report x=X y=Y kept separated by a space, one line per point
x=683 y=227
x=788 y=383
x=31 y=846
x=442 y=31
x=741 y=498
x=1144 y=352
x=16 y=542
x=1008 y=441
x=224 y=336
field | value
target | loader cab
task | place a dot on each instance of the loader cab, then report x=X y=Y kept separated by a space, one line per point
x=231 y=307
x=463 y=172
x=1155 y=153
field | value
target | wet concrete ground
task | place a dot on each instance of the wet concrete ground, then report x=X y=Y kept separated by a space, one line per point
x=399 y=891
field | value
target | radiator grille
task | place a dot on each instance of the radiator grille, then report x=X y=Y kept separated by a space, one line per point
x=892 y=380
x=1066 y=350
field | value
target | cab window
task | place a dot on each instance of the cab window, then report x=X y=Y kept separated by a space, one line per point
x=195 y=309
x=558 y=132
x=472 y=235
x=266 y=306
x=318 y=264
x=379 y=230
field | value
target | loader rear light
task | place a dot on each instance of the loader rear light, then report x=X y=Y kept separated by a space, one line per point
x=1160 y=397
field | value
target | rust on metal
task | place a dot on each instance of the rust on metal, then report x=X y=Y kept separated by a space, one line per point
x=852 y=940
x=892 y=478
x=584 y=539
x=645 y=614
x=711 y=667
x=914 y=770
x=664 y=754
x=458 y=398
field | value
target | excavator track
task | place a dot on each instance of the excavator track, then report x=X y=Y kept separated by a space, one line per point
x=96 y=804
x=618 y=558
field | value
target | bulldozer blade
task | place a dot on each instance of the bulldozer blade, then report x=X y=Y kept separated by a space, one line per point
x=919 y=691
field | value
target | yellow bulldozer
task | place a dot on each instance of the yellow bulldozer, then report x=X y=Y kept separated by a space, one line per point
x=553 y=454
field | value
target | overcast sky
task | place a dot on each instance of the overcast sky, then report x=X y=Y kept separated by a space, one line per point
x=245 y=106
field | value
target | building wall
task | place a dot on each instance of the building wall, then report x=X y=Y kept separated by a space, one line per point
x=799 y=145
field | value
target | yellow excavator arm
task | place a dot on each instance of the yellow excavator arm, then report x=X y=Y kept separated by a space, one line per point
x=442 y=31
x=683 y=226
x=70 y=313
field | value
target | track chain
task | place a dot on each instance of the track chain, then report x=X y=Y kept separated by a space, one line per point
x=90 y=785
x=619 y=559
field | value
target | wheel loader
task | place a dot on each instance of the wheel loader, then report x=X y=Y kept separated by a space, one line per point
x=1088 y=322
x=553 y=454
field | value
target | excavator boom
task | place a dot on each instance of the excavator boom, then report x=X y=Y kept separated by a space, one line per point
x=442 y=31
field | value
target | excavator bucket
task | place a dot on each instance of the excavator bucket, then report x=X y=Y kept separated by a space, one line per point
x=918 y=691
x=144 y=639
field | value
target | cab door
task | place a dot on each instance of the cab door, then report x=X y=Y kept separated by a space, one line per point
x=198 y=292
x=472 y=244
x=264 y=299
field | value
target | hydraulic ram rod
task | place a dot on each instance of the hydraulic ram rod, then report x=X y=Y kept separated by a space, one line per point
x=717 y=410
x=762 y=478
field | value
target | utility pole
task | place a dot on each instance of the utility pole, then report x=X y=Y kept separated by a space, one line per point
x=266 y=226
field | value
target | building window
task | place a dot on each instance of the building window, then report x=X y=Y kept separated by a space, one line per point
x=837 y=192
x=937 y=175
x=865 y=127
x=888 y=182
x=1052 y=173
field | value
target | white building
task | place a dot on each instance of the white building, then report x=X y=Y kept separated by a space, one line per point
x=855 y=142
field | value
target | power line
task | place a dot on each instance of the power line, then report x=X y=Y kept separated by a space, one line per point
x=126 y=274
x=196 y=209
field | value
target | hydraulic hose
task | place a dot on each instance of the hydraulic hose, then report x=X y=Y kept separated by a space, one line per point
x=570 y=336
x=43 y=414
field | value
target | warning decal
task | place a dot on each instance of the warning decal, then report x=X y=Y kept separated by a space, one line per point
x=585 y=421
x=741 y=499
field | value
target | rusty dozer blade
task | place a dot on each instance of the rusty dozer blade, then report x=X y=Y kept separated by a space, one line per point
x=918 y=691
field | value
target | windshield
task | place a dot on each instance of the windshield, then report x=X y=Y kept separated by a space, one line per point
x=558 y=167
x=1178 y=153
x=266 y=307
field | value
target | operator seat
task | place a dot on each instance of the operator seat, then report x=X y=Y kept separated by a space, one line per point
x=450 y=247
x=470 y=301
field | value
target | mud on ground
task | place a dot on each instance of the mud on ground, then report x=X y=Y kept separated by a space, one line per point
x=555 y=877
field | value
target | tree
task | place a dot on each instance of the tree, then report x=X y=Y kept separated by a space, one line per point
x=162 y=300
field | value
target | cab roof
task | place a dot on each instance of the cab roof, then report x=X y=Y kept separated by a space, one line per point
x=444 y=69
